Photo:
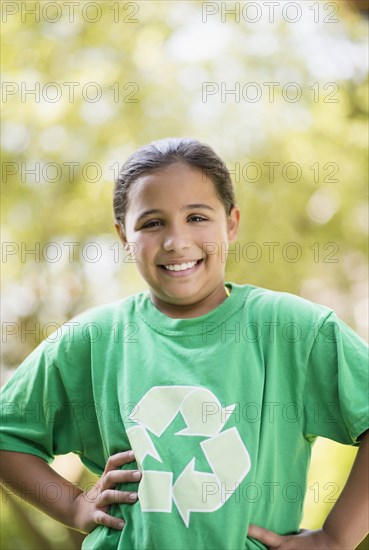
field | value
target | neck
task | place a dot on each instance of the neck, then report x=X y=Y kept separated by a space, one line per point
x=193 y=309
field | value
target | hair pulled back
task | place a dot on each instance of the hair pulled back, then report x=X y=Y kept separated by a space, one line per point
x=162 y=153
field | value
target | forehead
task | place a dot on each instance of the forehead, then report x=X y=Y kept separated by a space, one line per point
x=175 y=183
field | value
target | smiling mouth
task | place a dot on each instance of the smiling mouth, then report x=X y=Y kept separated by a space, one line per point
x=181 y=267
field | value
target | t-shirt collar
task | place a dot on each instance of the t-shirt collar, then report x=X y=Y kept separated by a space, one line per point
x=162 y=323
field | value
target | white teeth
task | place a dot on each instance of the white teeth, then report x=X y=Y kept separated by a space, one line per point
x=180 y=267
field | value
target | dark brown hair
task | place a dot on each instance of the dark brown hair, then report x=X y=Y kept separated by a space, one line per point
x=162 y=153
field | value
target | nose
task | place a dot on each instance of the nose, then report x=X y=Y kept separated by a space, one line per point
x=176 y=238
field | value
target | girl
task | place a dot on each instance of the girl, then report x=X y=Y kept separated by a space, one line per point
x=193 y=357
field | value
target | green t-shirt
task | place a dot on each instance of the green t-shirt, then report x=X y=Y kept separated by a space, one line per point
x=221 y=411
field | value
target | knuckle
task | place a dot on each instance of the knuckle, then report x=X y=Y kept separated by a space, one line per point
x=134 y=476
x=118 y=497
x=113 y=497
x=118 y=457
x=99 y=518
x=101 y=500
x=107 y=521
x=97 y=489
x=109 y=477
x=93 y=495
x=110 y=461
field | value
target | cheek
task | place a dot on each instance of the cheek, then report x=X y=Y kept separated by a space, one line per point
x=145 y=248
x=213 y=241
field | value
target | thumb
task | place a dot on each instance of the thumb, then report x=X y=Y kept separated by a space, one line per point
x=269 y=538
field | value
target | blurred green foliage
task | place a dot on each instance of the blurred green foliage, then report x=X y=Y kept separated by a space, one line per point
x=299 y=167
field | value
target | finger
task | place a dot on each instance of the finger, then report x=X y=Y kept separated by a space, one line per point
x=269 y=538
x=117 y=497
x=101 y=518
x=111 y=479
x=117 y=460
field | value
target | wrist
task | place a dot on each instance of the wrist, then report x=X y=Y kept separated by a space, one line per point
x=71 y=512
x=82 y=511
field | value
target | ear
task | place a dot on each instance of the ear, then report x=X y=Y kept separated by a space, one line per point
x=233 y=221
x=122 y=235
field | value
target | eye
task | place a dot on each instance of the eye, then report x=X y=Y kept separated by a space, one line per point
x=197 y=218
x=152 y=224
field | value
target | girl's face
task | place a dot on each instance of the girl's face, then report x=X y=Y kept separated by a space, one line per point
x=178 y=232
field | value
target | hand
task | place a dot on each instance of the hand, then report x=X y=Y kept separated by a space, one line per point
x=305 y=540
x=91 y=508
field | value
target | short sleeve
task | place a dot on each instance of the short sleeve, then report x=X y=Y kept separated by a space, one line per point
x=37 y=416
x=336 y=395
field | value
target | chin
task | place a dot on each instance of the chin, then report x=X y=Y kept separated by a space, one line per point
x=178 y=298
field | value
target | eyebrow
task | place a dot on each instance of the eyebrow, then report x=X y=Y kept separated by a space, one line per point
x=187 y=207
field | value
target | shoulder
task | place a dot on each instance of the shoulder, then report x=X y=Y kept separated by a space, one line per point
x=106 y=312
x=281 y=305
x=92 y=327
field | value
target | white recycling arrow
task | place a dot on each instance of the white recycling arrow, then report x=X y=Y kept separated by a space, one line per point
x=155 y=488
x=203 y=413
x=159 y=406
x=155 y=491
x=142 y=444
x=200 y=409
x=196 y=491
x=225 y=451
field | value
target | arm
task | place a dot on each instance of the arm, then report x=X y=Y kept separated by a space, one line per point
x=76 y=509
x=347 y=523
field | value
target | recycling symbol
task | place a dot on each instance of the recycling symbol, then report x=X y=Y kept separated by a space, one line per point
x=224 y=450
